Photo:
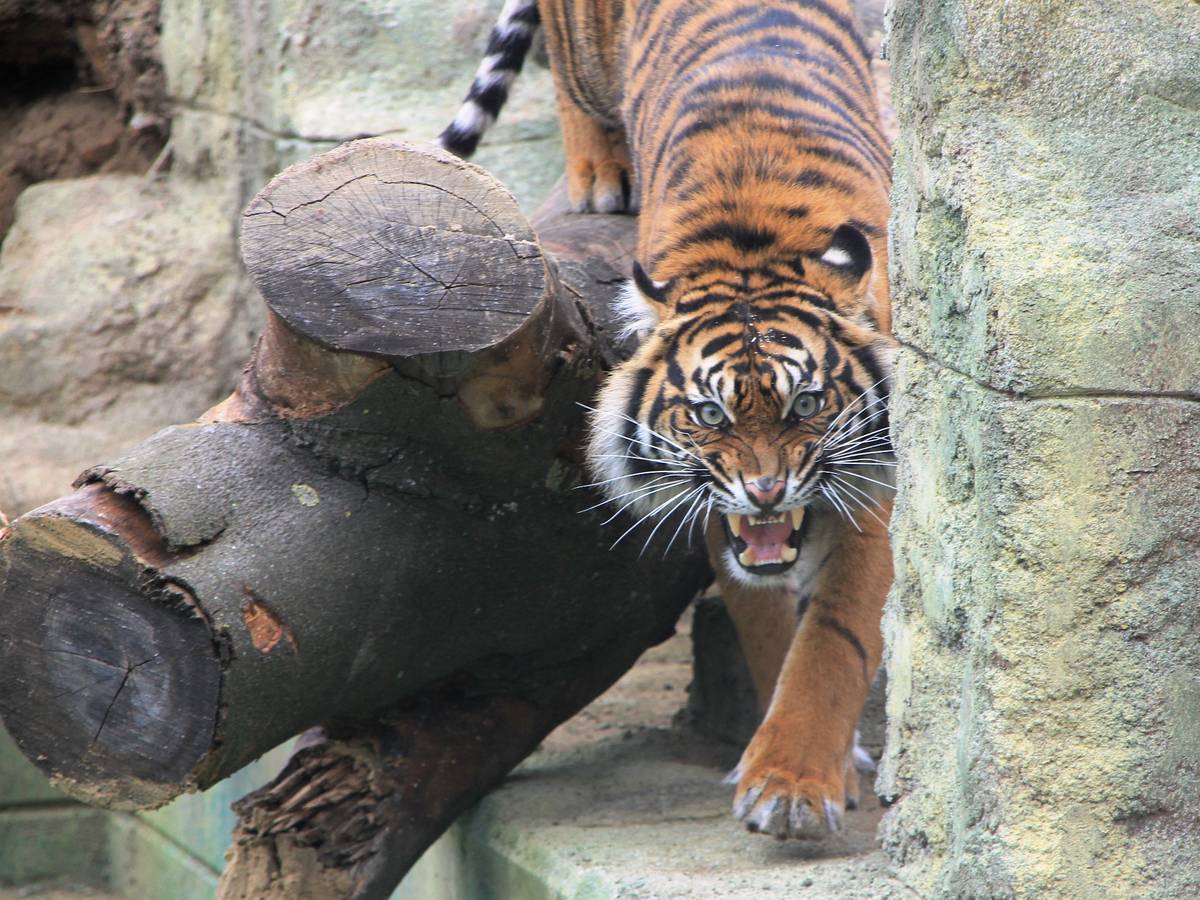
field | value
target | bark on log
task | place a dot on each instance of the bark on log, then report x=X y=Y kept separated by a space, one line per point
x=380 y=521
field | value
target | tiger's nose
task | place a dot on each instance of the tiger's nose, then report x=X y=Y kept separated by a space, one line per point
x=765 y=490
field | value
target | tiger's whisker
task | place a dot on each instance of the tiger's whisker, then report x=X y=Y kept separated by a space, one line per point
x=643 y=489
x=634 y=421
x=667 y=515
x=656 y=472
x=850 y=405
x=863 y=506
x=652 y=512
x=835 y=498
x=638 y=443
x=699 y=498
x=853 y=428
x=882 y=484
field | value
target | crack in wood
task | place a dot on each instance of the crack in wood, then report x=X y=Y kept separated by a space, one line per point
x=113 y=702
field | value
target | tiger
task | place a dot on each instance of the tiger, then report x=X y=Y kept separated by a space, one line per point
x=747 y=137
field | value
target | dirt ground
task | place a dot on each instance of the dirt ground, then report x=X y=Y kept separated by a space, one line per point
x=81 y=91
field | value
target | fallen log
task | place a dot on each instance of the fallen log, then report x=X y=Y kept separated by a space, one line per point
x=378 y=532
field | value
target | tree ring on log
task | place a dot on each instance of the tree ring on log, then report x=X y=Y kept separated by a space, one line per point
x=341 y=248
x=110 y=688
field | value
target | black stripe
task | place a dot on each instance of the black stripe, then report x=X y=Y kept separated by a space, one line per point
x=511 y=46
x=798 y=122
x=744 y=238
x=771 y=44
x=528 y=15
x=793 y=118
x=783 y=339
x=865 y=356
x=813 y=320
x=675 y=373
x=490 y=100
x=459 y=141
x=850 y=637
x=717 y=344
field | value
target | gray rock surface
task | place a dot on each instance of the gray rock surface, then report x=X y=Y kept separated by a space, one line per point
x=259 y=86
x=122 y=308
x=1044 y=705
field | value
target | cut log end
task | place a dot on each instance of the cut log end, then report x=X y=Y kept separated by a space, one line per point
x=394 y=249
x=99 y=650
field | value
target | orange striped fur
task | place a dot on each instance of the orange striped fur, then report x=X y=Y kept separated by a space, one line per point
x=747 y=132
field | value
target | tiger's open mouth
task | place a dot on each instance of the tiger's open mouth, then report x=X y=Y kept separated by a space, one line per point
x=765 y=545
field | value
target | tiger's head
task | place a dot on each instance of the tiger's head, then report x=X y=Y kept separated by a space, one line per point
x=759 y=396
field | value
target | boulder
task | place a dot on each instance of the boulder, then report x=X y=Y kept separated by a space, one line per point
x=118 y=295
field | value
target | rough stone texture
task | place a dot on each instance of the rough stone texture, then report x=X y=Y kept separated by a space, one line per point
x=1044 y=705
x=81 y=91
x=261 y=85
x=122 y=308
x=134 y=314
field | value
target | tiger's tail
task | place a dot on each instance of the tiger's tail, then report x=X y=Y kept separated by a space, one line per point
x=507 y=47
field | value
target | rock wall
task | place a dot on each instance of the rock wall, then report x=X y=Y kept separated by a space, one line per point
x=259 y=85
x=1044 y=698
x=123 y=307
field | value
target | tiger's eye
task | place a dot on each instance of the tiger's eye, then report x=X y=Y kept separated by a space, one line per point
x=806 y=405
x=711 y=414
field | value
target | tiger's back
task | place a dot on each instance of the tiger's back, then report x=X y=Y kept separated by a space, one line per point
x=749 y=135
x=756 y=134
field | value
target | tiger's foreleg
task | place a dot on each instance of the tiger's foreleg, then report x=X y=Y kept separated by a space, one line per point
x=797 y=772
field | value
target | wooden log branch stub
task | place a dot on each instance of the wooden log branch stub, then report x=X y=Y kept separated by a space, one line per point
x=386 y=506
x=341 y=248
x=117 y=645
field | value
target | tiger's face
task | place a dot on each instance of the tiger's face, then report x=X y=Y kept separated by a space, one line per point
x=750 y=407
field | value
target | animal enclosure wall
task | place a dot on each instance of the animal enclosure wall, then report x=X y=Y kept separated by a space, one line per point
x=1044 y=734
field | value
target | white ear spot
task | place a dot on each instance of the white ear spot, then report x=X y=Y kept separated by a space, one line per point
x=636 y=314
x=836 y=256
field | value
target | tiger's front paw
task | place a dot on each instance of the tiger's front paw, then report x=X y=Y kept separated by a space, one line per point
x=780 y=803
x=791 y=791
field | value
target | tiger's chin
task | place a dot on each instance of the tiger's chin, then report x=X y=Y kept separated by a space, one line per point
x=762 y=550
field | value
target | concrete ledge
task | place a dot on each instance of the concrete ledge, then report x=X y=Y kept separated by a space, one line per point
x=620 y=802
x=647 y=817
x=626 y=801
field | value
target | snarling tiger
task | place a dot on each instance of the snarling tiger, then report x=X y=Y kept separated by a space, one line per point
x=749 y=135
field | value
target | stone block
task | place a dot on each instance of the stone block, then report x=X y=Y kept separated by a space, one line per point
x=260 y=86
x=61 y=846
x=122 y=308
x=1044 y=705
x=1044 y=710
x=1046 y=212
x=21 y=783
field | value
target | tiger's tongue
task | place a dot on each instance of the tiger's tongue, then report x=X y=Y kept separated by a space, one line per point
x=766 y=543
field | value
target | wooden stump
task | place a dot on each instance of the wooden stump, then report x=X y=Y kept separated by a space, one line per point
x=378 y=532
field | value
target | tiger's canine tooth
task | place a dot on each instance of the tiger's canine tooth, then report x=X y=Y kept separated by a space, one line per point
x=746 y=557
x=735 y=523
x=789 y=554
x=797 y=516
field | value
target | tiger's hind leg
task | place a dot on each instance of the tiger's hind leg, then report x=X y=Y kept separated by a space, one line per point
x=798 y=771
x=598 y=166
x=583 y=38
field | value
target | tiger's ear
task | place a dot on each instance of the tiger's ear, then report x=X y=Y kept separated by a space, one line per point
x=848 y=252
x=643 y=303
x=653 y=290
